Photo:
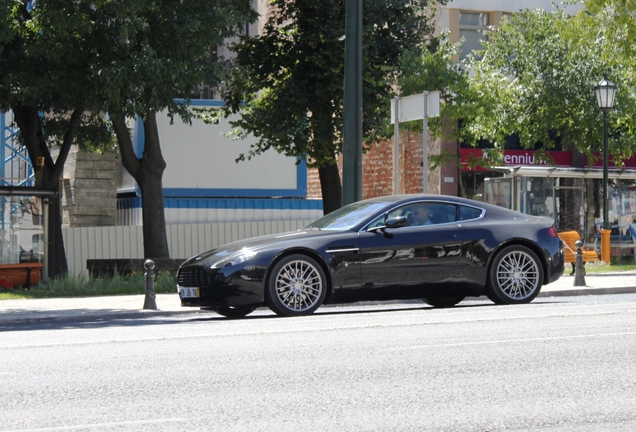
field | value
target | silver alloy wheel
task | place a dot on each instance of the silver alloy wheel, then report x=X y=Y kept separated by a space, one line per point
x=299 y=285
x=518 y=275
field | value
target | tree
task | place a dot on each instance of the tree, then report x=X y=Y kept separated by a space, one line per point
x=618 y=18
x=287 y=83
x=64 y=63
x=151 y=52
x=46 y=80
x=432 y=67
x=542 y=67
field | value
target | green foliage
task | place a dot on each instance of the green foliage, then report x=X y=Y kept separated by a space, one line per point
x=65 y=63
x=536 y=79
x=94 y=134
x=153 y=51
x=287 y=84
x=69 y=286
x=431 y=67
x=45 y=57
x=618 y=26
x=127 y=57
x=618 y=263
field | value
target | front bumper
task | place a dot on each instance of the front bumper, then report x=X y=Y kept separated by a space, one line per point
x=221 y=288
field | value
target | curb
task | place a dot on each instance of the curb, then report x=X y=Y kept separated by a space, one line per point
x=584 y=291
x=99 y=315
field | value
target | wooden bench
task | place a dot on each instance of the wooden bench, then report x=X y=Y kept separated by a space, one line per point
x=23 y=274
x=569 y=238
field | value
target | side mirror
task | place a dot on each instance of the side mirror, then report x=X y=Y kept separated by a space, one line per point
x=396 y=222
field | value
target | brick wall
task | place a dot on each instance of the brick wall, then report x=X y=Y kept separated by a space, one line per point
x=377 y=168
x=313 y=184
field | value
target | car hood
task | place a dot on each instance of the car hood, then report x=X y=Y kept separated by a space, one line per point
x=255 y=245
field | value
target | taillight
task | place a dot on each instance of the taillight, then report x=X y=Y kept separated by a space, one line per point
x=553 y=232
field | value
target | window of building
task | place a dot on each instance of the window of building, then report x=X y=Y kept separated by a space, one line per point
x=473 y=28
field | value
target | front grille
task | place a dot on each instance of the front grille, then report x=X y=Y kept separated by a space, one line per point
x=194 y=277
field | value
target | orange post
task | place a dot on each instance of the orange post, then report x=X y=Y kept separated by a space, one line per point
x=605 y=245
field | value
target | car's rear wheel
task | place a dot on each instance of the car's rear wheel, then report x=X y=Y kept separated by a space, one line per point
x=443 y=302
x=296 y=286
x=515 y=276
x=234 y=311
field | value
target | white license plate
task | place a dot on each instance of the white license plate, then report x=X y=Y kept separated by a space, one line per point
x=189 y=292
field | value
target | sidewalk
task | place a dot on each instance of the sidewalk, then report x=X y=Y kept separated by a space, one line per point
x=131 y=306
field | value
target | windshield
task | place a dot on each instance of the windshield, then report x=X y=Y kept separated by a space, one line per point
x=348 y=216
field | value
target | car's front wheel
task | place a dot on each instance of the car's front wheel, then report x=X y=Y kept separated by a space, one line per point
x=515 y=276
x=296 y=286
x=234 y=311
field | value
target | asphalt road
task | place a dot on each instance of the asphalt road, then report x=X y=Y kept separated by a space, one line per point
x=557 y=364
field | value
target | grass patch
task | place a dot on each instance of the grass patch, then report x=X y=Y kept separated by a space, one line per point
x=70 y=286
x=601 y=267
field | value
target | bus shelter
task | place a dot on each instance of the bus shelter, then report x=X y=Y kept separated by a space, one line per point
x=24 y=236
x=570 y=196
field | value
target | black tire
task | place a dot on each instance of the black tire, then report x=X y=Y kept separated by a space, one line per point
x=515 y=276
x=443 y=302
x=235 y=311
x=296 y=286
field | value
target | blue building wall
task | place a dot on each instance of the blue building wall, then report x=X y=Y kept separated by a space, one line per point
x=203 y=183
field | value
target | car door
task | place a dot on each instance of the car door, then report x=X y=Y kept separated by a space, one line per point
x=411 y=261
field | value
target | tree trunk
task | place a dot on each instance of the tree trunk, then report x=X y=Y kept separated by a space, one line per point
x=331 y=187
x=48 y=176
x=56 y=261
x=148 y=172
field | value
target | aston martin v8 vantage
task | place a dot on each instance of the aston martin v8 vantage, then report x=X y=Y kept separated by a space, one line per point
x=440 y=249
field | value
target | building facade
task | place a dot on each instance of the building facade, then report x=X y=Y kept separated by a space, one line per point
x=569 y=191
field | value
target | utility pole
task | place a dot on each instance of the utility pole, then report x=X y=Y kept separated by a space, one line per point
x=352 y=119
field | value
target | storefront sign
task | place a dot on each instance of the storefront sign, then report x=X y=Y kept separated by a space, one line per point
x=527 y=158
x=515 y=158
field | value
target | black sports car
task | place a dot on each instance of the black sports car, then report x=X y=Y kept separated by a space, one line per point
x=437 y=248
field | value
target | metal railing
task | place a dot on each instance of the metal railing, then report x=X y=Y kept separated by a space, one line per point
x=184 y=240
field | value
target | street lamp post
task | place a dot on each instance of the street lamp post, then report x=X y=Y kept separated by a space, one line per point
x=605 y=93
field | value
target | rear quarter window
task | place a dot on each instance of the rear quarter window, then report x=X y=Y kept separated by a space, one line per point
x=467 y=213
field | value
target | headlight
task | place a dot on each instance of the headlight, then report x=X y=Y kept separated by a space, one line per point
x=234 y=259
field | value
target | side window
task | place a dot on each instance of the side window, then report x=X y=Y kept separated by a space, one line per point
x=402 y=211
x=423 y=213
x=466 y=213
x=378 y=222
x=430 y=213
x=443 y=213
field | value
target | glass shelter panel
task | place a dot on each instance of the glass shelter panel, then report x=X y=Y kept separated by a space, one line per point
x=537 y=196
x=571 y=206
x=21 y=229
x=621 y=207
x=499 y=191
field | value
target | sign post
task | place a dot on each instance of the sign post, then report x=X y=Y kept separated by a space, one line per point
x=414 y=107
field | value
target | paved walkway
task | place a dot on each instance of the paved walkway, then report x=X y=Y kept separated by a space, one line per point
x=131 y=306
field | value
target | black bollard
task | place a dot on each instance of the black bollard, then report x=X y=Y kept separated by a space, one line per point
x=149 y=301
x=579 y=270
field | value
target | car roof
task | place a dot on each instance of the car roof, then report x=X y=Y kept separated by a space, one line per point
x=407 y=198
x=404 y=198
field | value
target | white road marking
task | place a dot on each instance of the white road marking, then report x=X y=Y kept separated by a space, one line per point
x=101 y=425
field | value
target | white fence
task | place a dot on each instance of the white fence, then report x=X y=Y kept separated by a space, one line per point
x=184 y=240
